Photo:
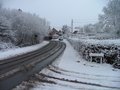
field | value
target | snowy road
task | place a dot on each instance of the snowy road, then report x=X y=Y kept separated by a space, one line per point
x=71 y=72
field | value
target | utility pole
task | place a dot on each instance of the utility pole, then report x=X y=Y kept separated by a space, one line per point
x=72 y=25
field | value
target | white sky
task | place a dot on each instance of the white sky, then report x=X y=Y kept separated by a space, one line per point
x=60 y=12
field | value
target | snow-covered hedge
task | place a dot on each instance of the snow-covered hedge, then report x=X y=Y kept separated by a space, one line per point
x=21 y=28
x=110 y=50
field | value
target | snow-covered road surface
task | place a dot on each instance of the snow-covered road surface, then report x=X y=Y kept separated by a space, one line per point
x=71 y=72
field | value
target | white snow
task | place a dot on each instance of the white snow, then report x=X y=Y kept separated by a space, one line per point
x=19 y=51
x=72 y=67
x=6 y=46
x=96 y=41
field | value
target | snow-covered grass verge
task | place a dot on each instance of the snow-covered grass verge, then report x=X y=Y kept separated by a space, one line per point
x=19 y=51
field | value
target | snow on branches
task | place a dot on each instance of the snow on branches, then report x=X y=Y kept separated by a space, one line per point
x=111 y=52
x=21 y=28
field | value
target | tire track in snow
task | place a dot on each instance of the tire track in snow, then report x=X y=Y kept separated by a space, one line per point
x=63 y=70
x=79 y=82
x=59 y=72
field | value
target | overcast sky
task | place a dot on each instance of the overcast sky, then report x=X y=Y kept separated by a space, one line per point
x=60 y=12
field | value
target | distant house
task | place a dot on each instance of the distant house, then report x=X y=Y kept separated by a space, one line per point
x=54 y=33
x=20 y=10
x=75 y=32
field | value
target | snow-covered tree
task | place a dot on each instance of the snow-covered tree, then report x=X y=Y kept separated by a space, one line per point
x=89 y=28
x=65 y=29
x=24 y=28
x=111 y=16
x=5 y=30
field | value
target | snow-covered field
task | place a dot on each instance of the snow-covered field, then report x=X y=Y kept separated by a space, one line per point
x=18 y=51
x=71 y=72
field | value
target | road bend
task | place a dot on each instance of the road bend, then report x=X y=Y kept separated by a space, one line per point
x=17 y=69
